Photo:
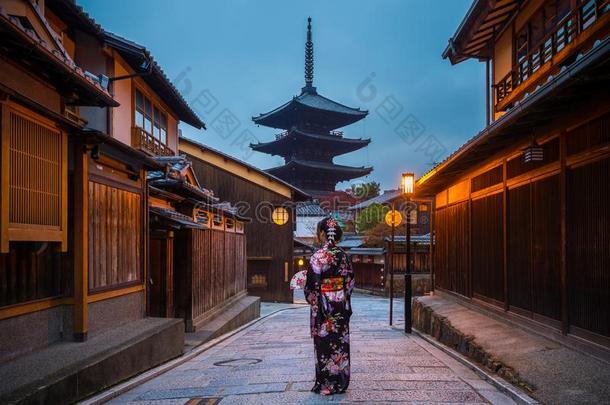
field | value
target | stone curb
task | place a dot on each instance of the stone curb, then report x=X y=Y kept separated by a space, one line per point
x=503 y=386
x=130 y=384
x=426 y=320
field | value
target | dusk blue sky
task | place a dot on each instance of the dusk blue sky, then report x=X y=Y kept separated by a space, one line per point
x=249 y=56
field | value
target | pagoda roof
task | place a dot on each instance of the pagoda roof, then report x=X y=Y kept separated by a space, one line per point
x=338 y=172
x=329 y=113
x=334 y=142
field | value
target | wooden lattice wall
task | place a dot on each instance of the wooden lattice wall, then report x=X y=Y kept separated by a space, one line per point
x=115 y=236
x=513 y=234
x=34 y=179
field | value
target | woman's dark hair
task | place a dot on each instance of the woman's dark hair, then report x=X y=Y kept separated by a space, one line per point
x=331 y=229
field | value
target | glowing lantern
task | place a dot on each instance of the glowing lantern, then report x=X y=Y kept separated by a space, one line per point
x=393 y=217
x=280 y=216
x=408 y=183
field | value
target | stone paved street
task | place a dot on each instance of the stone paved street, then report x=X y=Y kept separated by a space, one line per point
x=271 y=362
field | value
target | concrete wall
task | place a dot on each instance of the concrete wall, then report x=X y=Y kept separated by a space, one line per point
x=113 y=312
x=122 y=116
x=37 y=330
x=33 y=331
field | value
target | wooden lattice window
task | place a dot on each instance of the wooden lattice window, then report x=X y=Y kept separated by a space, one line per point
x=34 y=179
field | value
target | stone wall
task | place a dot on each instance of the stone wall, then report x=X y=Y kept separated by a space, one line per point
x=439 y=327
x=420 y=284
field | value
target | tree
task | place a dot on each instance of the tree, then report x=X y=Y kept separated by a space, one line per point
x=370 y=216
x=374 y=237
x=365 y=191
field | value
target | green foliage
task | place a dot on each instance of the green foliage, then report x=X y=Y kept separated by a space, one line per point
x=365 y=191
x=370 y=216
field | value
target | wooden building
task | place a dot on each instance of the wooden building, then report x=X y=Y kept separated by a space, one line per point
x=92 y=190
x=369 y=268
x=74 y=210
x=198 y=247
x=310 y=139
x=522 y=210
x=268 y=203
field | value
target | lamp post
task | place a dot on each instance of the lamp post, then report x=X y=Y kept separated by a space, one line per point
x=393 y=219
x=408 y=186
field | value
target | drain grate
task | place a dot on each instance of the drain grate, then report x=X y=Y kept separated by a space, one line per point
x=203 y=401
x=237 y=362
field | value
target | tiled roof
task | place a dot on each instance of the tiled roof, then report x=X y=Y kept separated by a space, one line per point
x=336 y=115
x=421 y=239
x=598 y=54
x=350 y=242
x=387 y=196
x=366 y=251
x=302 y=194
x=58 y=59
x=176 y=217
x=311 y=164
x=173 y=178
x=310 y=209
x=288 y=141
x=135 y=53
x=317 y=101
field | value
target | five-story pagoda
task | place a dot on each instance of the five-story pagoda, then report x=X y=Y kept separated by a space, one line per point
x=310 y=139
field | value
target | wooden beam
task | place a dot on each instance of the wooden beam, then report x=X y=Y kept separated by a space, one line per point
x=32 y=306
x=81 y=243
x=115 y=293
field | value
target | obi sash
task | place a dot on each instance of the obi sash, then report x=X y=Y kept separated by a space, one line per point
x=332 y=284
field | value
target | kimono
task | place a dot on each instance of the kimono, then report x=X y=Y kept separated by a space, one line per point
x=328 y=289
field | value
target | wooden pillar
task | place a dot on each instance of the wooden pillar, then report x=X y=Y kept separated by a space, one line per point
x=469 y=270
x=505 y=234
x=563 y=267
x=432 y=243
x=4 y=177
x=81 y=241
x=487 y=93
x=169 y=275
x=145 y=241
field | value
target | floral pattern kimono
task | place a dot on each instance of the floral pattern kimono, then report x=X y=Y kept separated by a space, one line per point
x=329 y=285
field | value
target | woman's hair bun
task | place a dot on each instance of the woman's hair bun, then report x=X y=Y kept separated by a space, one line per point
x=331 y=229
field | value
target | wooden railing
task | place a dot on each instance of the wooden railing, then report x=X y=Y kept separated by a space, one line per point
x=585 y=15
x=141 y=139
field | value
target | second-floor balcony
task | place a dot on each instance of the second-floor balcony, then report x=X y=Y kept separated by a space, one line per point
x=577 y=30
x=144 y=141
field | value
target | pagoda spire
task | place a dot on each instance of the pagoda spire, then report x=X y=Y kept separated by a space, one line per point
x=309 y=59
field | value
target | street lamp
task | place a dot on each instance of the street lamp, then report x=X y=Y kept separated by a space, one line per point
x=408 y=187
x=392 y=219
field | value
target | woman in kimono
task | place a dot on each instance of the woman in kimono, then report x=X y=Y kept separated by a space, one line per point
x=330 y=280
